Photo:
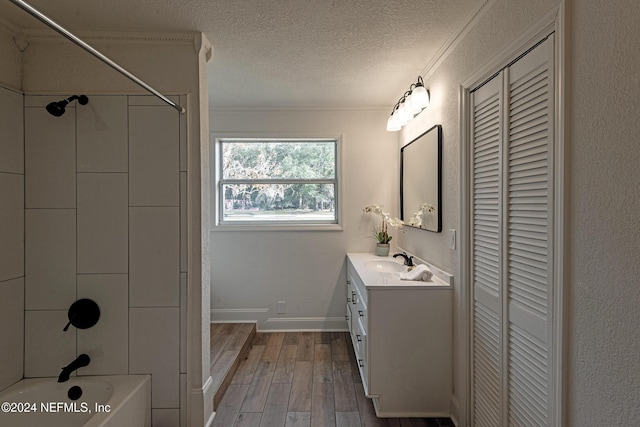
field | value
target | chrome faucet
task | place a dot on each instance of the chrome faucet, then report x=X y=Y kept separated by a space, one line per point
x=80 y=362
x=408 y=260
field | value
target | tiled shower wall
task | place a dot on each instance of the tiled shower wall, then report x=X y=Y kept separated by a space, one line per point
x=105 y=219
x=11 y=237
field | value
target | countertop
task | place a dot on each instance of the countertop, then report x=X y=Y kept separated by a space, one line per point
x=391 y=280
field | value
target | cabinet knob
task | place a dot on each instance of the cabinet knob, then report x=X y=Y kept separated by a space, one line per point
x=361 y=313
x=353 y=297
x=360 y=363
x=346 y=317
x=359 y=338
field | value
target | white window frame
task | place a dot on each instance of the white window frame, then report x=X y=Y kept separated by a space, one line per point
x=271 y=225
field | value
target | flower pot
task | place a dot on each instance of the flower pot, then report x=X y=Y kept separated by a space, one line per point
x=382 y=249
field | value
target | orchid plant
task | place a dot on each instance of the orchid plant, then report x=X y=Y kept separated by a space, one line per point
x=416 y=219
x=382 y=235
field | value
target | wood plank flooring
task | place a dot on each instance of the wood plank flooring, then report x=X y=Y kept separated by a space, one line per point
x=302 y=379
x=230 y=343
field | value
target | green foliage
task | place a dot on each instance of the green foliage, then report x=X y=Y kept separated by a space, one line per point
x=262 y=162
x=382 y=236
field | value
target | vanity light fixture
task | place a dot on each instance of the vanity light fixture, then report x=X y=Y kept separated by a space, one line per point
x=411 y=103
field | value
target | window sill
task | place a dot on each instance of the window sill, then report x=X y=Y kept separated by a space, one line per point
x=276 y=227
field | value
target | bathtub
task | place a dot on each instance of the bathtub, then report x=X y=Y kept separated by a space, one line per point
x=116 y=401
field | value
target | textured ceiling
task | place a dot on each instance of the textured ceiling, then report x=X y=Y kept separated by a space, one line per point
x=286 y=53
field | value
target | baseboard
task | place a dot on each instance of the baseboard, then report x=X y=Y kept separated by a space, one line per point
x=279 y=324
x=209 y=422
x=239 y=315
x=324 y=324
x=455 y=410
x=202 y=404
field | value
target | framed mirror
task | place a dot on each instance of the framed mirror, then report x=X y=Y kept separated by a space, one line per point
x=421 y=181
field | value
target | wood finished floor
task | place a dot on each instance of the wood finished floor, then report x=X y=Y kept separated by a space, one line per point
x=302 y=379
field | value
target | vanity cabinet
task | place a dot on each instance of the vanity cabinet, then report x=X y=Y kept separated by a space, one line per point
x=402 y=338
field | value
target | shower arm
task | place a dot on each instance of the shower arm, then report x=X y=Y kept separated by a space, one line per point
x=64 y=32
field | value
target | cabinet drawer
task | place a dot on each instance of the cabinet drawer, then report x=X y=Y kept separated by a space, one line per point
x=360 y=338
x=349 y=317
x=358 y=285
x=359 y=312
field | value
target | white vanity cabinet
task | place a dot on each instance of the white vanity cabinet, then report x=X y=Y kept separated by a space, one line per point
x=402 y=337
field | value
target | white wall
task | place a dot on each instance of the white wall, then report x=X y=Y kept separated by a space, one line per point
x=11 y=70
x=254 y=270
x=12 y=211
x=603 y=248
x=11 y=237
x=601 y=254
x=493 y=31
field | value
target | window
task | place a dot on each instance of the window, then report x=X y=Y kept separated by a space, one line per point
x=277 y=181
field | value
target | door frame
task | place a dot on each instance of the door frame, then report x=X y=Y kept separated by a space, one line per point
x=552 y=21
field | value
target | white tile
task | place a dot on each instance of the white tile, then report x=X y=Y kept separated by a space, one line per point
x=154 y=260
x=154 y=349
x=183 y=322
x=165 y=417
x=50 y=258
x=184 y=231
x=103 y=223
x=11 y=331
x=11 y=226
x=107 y=343
x=103 y=134
x=50 y=159
x=154 y=156
x=47 y=347
x=11 y=132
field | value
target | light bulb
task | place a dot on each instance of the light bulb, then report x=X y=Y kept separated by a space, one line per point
x=392 y=124
x=403 y=116
x=420 y=96
x=411 y=105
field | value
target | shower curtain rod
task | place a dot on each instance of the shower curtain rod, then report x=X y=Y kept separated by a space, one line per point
x=64 y=32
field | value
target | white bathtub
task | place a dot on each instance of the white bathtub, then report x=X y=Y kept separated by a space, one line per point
x=117 y=401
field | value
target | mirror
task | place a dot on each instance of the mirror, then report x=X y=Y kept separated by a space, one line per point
x=420 y=181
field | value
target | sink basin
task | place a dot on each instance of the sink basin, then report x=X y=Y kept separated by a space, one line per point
x=384 y=266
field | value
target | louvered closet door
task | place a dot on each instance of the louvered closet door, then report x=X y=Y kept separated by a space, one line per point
x=512 y=250
x=487 y=253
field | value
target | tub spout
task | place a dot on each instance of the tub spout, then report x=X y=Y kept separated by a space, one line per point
x=80 y=362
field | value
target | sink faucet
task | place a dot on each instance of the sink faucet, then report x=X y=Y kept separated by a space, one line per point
x=408 y=260
x=80 y=362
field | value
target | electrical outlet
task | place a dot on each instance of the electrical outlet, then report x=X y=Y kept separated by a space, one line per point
x=452 y=239
x=282 y=307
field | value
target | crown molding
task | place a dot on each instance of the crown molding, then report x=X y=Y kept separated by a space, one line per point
x=117 y=37
x=447 y=47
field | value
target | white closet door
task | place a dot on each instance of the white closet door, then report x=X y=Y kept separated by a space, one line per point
x=529 y=216
x=487 y=253
x=512 y=243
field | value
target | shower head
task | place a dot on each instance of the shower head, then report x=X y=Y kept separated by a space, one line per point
x=57 y=108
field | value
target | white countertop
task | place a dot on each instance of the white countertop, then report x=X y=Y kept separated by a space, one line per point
x=381 y=280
